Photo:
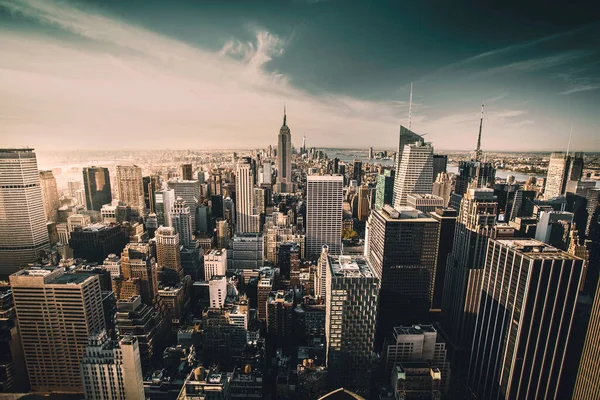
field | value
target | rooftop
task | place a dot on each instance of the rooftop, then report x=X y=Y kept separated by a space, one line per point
x=536 y=249
x=413 y=330
x=350 y=267
x=404 y=213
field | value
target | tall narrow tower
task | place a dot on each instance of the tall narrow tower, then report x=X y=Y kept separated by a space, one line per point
x=284 y=160
x=324 y=197
x=131 y=186
x=247 y=221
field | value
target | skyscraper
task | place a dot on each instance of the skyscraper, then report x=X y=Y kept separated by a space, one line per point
x=384 y=189
x=474 y=174
x=140 y=275
x=402 y=248
x=215 y=263
x=164 y=200
x=284 y=158
x=415 y=173
x=587 y=385
x=167 y=250
x=131 y=187
x=474 y=226
x=50 y=195
x=190 y=192
x=446 y=217
x=564 y=171
x=181 y=220
x=96 y=182
x=442 y=187
x=528 y=298
x=351 y=311
x=247 y=220
x=440 y=164
x=111 y=369
x=23 y=231
x=357 y=171
x=57 y=312
x=186 y=172
x=406 y=136
x=324 y=197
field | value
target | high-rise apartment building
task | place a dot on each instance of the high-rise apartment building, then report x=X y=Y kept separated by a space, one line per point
x=527 y=303
x=284 y=159
x=215 y=263
x=168 y=254
x=564 y=171
x=324 y=197
x=384 y=189
x=181 y=221
x=96 y=182
x=247 y=220
x=402 y=249
x=350 y=314
x=23 y=232
x=190 y=192
x=415 y=172
x=131 y=187
x=112 y=369
x=57 y=312
x=50 y=195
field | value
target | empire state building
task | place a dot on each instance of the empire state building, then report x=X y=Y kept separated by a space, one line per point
x=284 y=160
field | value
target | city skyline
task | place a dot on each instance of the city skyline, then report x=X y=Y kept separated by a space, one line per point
x=97 y=73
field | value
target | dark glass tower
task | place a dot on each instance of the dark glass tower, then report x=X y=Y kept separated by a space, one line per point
x=96 y=182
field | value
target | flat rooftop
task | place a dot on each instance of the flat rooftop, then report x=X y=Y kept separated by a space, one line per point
x=404 y=214
x=413 y=330
x=535 y=248
x=350 y=267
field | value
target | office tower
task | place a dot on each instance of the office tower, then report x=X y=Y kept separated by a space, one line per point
x=49 y=195
x=406 y=136
x=96 y=183
x=264 y=288
x=77 y=221
x=371 y=153
x=321 y=274
x=217 y=286
x=284 y=159
x=415 y=172
x=57 y=312
x=216 y=184
x=216 y=206
x=181 y=220
x=553 y=228
x=73 y=187
x=140 y=275
x=363 y=203
x=247 y=220
x=167 y=250
x=385 y=189
x=23 y=232
x=425 y=203
x=351 y=310
x=229 y=211
x=357 y=172
x=440 y=165
x=112 y=264
x=112 y=369
x=189 y=191
x=215 y=263
x=564 y=172
x=96 y=241
x=446 y=217
x=222 y=234
x=528 y=298
x=471 y=173
x=259 y=201
x=203 y=220
x=280 y=313
x=246 y=251
x=146 y=324
x=474 y=226
x=417 y=343
x=442 y=187
x=151 y=185
x=164 y=201
x=13 y=372
x=131 y=187
x=185 y=172
x=324 y=197
x=587 y=385
x=402 y=249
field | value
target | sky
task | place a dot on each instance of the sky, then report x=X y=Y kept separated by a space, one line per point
x=148 y=74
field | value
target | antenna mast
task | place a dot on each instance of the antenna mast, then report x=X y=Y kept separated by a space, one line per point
x=410 y=106
x=569 y=145
x=478 y=150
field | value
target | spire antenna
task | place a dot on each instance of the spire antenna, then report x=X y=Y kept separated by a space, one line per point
x=478 y=150
x=284 y=115
x=410 y=106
